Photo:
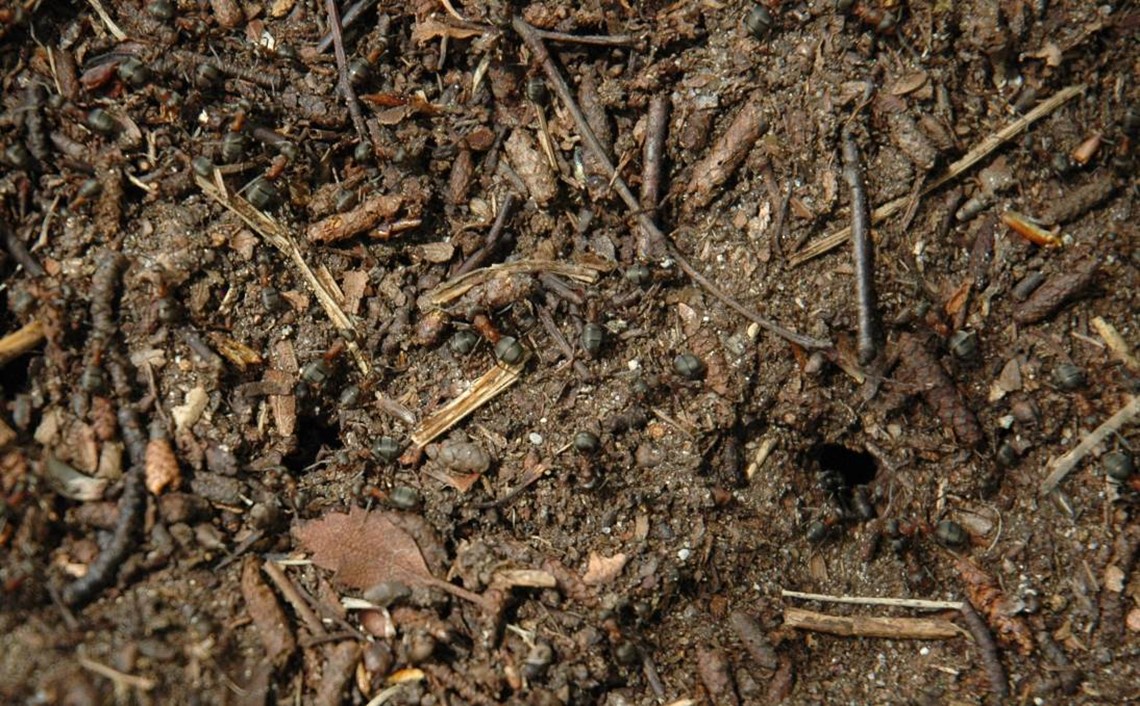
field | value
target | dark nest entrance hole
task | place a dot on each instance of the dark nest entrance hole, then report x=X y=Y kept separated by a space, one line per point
x=847 y=467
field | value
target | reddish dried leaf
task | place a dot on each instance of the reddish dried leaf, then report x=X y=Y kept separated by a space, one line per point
x=364 y=548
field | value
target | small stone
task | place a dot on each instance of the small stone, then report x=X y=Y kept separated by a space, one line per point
x=649 y=455
x=1132 y=621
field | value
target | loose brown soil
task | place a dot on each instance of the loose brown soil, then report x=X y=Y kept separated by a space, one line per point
x=186 y=421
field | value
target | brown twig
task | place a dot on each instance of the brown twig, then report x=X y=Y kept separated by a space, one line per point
x=493 y=239
x=562 y=90
x=132 y=503
x=766 y=324
x=551 y=327
x=289 y=591
x=19 y=251
x=344 y=84
x=864 y=250
x=915 y=603
x=20 y=341
x=1061 y=466
x=120 y=679
x=871 y=626
x=985 y=642
x=652 y=167
x=978 y=153
x=597 y=40
x=351 y=15
x=659 y=244
x=561 y=288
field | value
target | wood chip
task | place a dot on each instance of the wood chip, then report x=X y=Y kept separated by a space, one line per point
x=20 y=341
x=1116 y=343
x=909 y=83
x=483 y=390
x=602 y=569
x=236 y=352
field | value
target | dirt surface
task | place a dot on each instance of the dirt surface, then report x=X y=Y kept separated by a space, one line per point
x=222 y=421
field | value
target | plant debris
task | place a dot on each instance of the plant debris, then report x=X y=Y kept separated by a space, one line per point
x=364 y=548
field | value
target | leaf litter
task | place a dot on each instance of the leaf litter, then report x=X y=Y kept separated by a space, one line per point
x=364 y=548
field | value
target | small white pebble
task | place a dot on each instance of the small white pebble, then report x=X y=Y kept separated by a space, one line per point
x=684 y=553
x=535 y=438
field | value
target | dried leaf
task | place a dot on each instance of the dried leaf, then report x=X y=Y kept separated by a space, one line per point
x=531 y=166
x=600 y=569
x=429 y=29
x=909 y=83
x=363 y=549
